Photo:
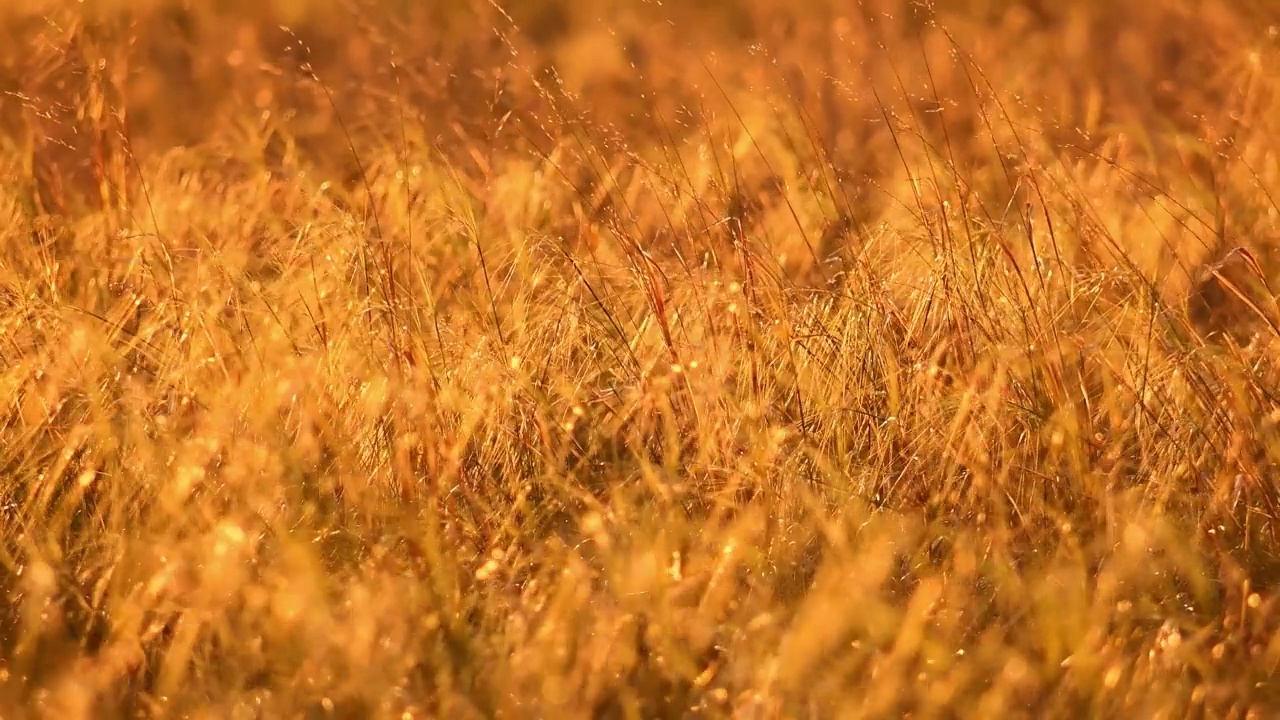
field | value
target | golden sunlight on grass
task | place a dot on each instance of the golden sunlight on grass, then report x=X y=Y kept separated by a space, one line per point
x=743 y=359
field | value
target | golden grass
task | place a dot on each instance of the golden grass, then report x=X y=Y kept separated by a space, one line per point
x=755 y=360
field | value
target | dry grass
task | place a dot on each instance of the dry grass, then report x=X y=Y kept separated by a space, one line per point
x=758 y=360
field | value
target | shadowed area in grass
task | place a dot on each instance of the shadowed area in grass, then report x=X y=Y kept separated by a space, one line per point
x=720 y=359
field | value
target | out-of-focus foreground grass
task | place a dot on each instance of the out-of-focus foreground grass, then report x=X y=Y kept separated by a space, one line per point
x=760 y=359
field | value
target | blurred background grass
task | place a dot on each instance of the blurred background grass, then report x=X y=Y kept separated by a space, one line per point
x=185 y=67
x=1163 y=85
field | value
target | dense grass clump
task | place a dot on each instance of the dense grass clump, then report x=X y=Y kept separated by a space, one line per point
x=753 y=359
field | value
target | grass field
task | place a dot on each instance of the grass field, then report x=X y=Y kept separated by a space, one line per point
x=754 y=359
